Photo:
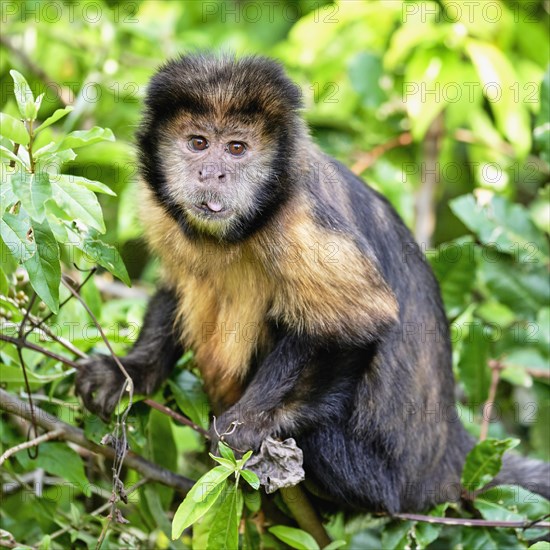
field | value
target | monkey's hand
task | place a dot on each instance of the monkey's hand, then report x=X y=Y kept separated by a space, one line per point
x=99 y=381
x=241 y=432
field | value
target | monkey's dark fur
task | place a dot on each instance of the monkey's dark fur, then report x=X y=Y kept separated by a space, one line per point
x=311 y=311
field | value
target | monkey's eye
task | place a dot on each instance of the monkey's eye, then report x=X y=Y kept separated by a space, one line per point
x=198 y=143
x=236 y=148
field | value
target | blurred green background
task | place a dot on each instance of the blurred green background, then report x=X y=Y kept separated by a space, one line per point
x=372 y=72
x=443 y=106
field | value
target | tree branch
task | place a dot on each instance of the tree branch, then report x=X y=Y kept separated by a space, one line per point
x=474 y=522
x=15 y=406
x=31 y=443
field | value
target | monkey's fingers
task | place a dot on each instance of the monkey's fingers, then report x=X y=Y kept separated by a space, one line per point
x=99 y=384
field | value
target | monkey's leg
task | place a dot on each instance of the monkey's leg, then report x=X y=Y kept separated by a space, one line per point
x=295 y=388
x=99 y=380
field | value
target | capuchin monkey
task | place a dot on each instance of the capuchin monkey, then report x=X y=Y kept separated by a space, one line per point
x=310 y=309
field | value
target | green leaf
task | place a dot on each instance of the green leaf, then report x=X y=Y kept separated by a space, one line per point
x=365 y=72
x=14 y=379
x=540 y=208
x=80 y=138
x=33 y=190
x=92 y=185
x=472 y=350
x=4 y=282
x=78 y=203
x=454 y=264
x=295 y=538
x=335 y=544
x=224 y=532
x=163 y=449
x=44 y=266
x=522 y=290
x=424 y=532
x=503 y=225
x=14 y=129
x=59 y=459
x=484 y=462
x=251 y=478
x=397 y=535
x=496 y=72
x=95 y=250
x=190 y=397
x=5 y=153
x=58 y=114
x=253 y=500
x=17 y=234
x=226 y=452
x=428 y=70
x=541 y=132
x=106 y=256
x=490 y=539
x=251 y=537
x=512 y=502
x=23 y=95
x=224 y=462
x=200 y=499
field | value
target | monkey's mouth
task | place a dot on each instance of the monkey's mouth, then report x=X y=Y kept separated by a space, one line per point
x=211 y=209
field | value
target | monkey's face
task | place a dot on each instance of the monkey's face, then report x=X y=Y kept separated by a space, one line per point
x=218 y=143
x=217 y=173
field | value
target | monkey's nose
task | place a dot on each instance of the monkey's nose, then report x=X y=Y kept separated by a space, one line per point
x=205 y=175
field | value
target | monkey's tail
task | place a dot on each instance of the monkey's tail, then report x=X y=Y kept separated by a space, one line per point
x=531 y=474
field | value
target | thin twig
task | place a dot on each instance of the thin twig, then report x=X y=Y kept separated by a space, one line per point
x=489 y=404
x=369 y=158
x=31 y=443
x=39 y=349
x=13 y=405
x=51 y=314
x=176 y=416
x=473 y=522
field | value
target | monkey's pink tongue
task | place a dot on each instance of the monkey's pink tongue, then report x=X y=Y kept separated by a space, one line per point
x=214 y=206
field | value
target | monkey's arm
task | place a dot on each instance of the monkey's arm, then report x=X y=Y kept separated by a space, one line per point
x=99 y=380
x=290 y=392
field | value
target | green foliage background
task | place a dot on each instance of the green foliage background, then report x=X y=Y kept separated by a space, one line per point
x=442 y=106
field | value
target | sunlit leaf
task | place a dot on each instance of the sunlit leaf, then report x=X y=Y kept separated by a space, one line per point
x=33 y=190
x=17 y=234
x=23 y=96
x=78 y=203
x=59 y=113
x=13 y=129
x=200 y=499
x=80 y=138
